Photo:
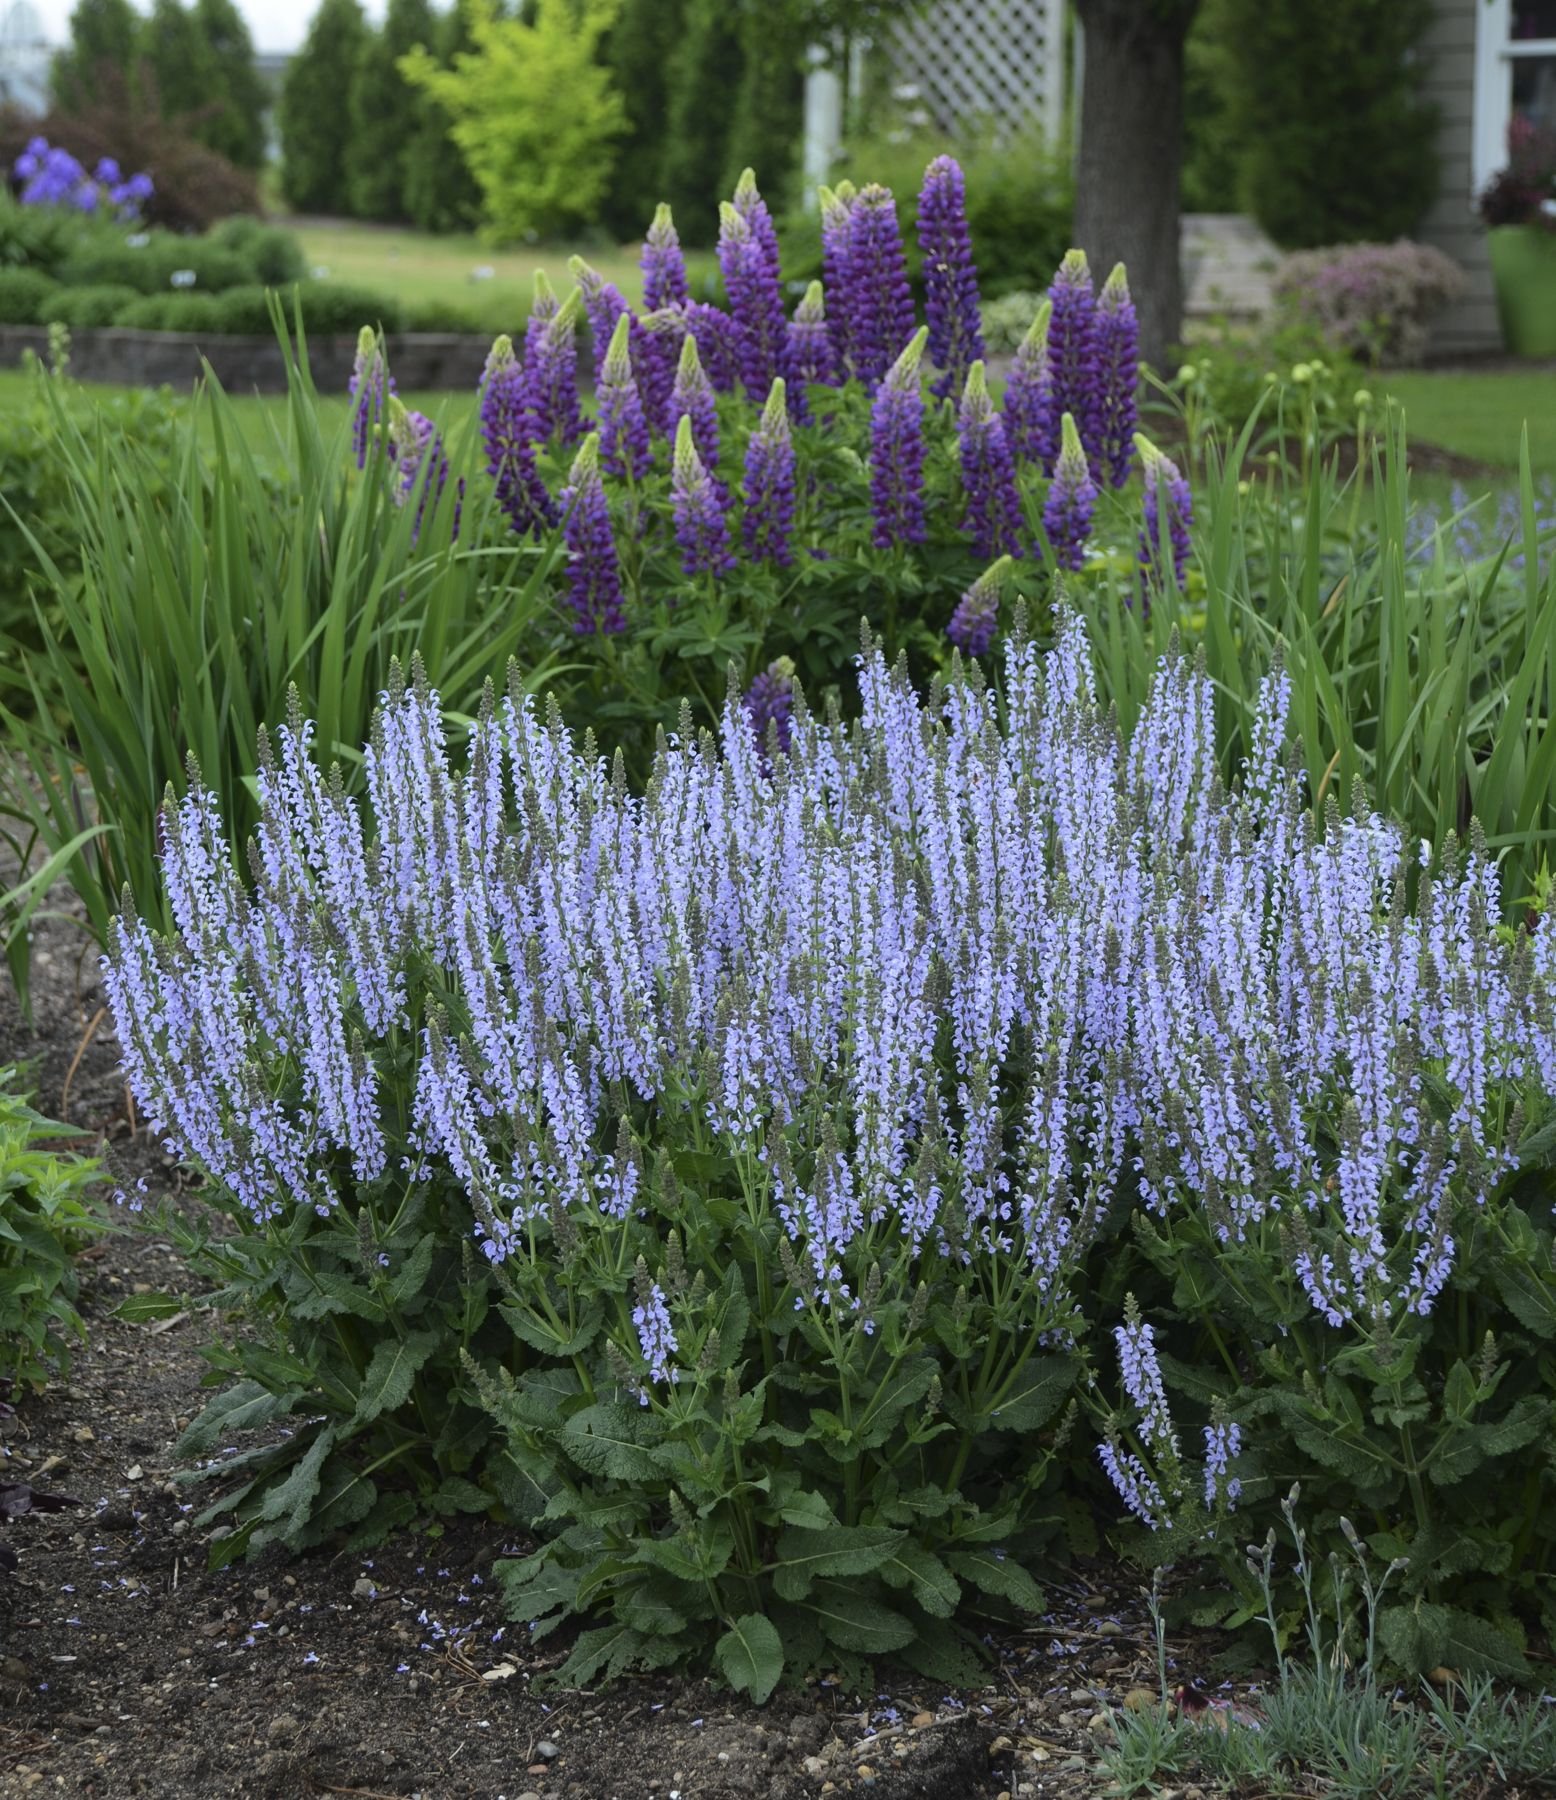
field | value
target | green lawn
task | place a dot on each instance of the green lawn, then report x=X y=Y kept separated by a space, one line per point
x=418 y=268
x=1481 y=416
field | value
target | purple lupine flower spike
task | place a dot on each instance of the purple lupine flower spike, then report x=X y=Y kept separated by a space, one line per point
x=508 y=433
x=700 y=527
x=551 y=372
x=1168 y=501
x=897 y=450
x=749 y=203
x=769 y=701
x=369 y=377
x=717 y=344
x=755 y=300
x=543 y=309
x=950 y=277
x=624 y=442
x=1072 y=498
x=603 y=304
x=1073 y=365
x=1118 y=354
x=416 y=449
x=593 y=572
x=692 y=398
x=993 y=516
x=880 y=303
x=836 y=210
x=663 y=265
x=973 y=624
x=812 y=358
x=769 y=514
x=1031 y=424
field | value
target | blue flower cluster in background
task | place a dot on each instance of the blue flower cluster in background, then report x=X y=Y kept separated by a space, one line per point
x=51 y=176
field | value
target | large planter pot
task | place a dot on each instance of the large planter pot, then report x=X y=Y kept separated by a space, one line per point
x=1523 y=267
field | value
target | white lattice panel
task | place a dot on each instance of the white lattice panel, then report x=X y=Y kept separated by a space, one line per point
x=977 y=62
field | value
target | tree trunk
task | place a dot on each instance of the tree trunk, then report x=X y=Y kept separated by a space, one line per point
x=1131 y=155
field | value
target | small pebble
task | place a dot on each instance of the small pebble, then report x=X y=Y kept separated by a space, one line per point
x=545 y=1748
x=920 y=1720
x=1110 y=1628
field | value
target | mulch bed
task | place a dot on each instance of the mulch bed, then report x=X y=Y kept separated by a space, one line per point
x=127 y=1668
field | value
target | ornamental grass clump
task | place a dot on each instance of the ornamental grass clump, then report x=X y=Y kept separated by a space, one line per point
x=731 y=1182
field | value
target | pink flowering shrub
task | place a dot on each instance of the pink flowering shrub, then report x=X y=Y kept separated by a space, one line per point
x=1376 y=301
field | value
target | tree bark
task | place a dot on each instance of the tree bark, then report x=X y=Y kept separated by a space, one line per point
x=1131 y=155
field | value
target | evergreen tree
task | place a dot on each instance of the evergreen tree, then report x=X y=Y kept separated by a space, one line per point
x=440 y=192
x=1335 y=141
x=641 y=56
x=708 y=71
x=175 y=57
x=314 y=117
x=104 y=36
x=237 y=127
x=768 y=118
x=385 y=112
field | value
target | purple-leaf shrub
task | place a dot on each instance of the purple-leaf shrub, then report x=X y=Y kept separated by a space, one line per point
x=1374 y=301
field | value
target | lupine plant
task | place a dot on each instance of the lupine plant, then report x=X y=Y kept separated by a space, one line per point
x=733 y=1181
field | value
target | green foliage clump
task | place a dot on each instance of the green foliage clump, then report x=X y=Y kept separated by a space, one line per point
x=385 y=112
x=90 y=306
x=440 y=192
x=269 y=253
x=1334 y=140
x=45 y=1218
x=105 y=38
x=313 y=113
x=705 y=75
x=533 y=112
x=641 y=53
x=173 y=312
x=107 y=257
x=25 y=294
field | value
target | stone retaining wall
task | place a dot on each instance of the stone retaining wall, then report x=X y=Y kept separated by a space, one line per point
x=247 y=365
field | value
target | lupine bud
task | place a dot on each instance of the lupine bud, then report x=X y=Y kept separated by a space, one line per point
x=551 y=368
x=756 y=301
x=1072 y=498
x=1031 y=424
x=1118 y=353
x=950 y=276
x=836 y=209
x=769 y=701
x=700 y=527
x=880 y=304
x=593 y=573
x=993 y=516
x=811 y=354
x=1167 y=500
x=897 y=450
x=976 y=618
x=624 y=445
x=508 y=433
x=749 y=203
x=692 y=398
x=367 y=389
x=663 y=265
x=416 y=444
x=769 y=514
x=1073 y=364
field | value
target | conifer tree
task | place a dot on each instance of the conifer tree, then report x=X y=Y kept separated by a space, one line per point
x=237 y=126
x=104 y=38
x=175 y=56
x=315 y=119
x=385 y=112
x=440 y=192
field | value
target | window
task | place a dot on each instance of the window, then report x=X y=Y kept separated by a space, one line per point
x=1515 y=75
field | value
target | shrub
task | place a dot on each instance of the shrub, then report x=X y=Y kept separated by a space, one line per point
x=173 y=312
x=813 y=1123
x=34 y=237
x=24 y=294
x=533 y=112
x=87 y=308
x=1373 y=301
x=1524 y=193
x=44 y=1220
x=150 y=263
x=269 y=253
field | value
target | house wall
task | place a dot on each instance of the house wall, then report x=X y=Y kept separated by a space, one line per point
x=1451 y=224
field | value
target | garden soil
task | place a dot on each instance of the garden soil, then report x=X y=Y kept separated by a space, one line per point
x=128 y=1668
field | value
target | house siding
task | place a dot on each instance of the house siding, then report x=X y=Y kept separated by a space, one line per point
x=1451 y=223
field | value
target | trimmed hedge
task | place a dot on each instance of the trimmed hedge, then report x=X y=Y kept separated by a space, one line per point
x=23 y=295
x=87 y=308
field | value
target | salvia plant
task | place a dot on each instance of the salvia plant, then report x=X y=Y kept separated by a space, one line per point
x=751 y=1184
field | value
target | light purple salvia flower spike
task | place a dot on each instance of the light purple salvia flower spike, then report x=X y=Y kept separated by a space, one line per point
x=973 y=624
x=663 y=265
x=1118 y=356
x=656 y=1334
x=897 y=450
x=593 y=571
x=700 y=526
x=624 y=440
x=1074 y=367
x=1072 y=498
x=769 y=515
x=951 y=302
x=1031 y=424
x=993 y=518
